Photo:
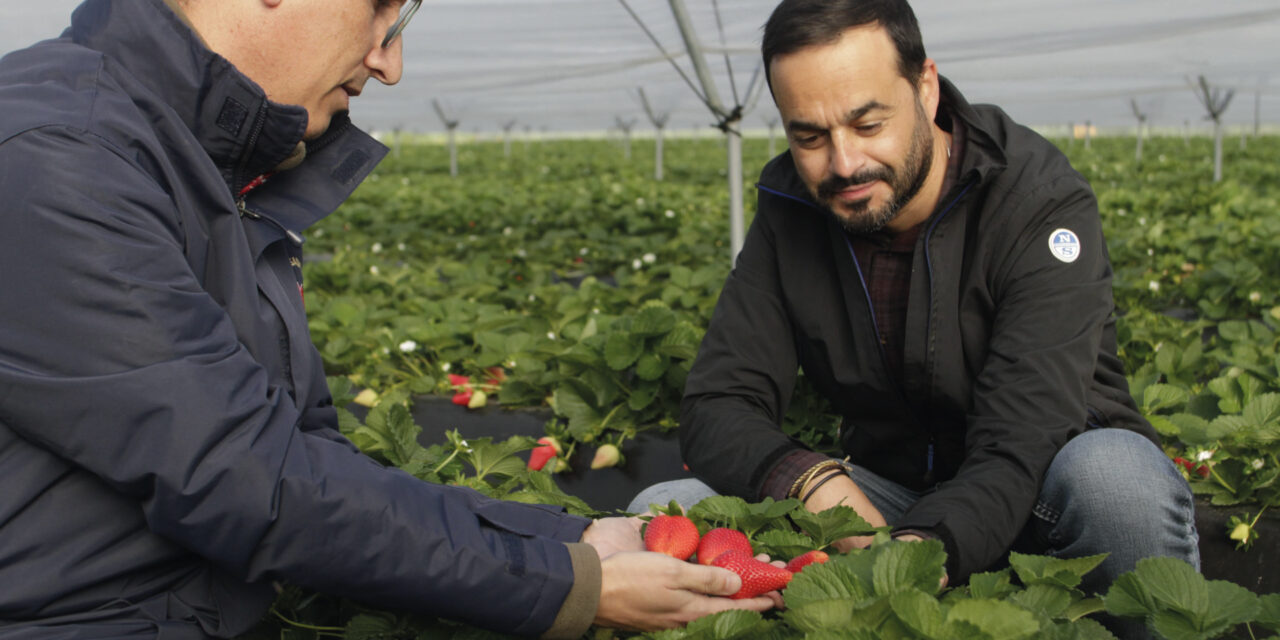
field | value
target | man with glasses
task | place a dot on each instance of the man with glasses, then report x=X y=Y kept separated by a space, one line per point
x=168 y=444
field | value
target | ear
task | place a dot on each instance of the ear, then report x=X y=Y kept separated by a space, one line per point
x=929 y=89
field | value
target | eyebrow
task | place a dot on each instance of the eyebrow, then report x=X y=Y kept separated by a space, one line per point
x=853 y=116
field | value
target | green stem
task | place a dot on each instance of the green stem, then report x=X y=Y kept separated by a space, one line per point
x=301 y=625
x=1255 y=518
x=446 y=460
x=1214 y=472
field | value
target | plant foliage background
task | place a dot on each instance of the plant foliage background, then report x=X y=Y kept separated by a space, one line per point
x=590 y=284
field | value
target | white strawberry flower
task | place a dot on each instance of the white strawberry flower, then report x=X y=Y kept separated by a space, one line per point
x=669 y=213
x=1142 y=220
x=1153 y=285
x=1151 y=252
x=373 y=269
x=506 y=231
x=639 y=202
x=376 y=248
x=1204 y=455
x=522 y=253
x=636 y=264
x=1255 y=297
x=551 y=335
x=404 y=181
x=1257 y=464
x=408 y=346
x=582 y=251
x=400 y=246
x=446 y=367
x=318 y=233
x=649 y=258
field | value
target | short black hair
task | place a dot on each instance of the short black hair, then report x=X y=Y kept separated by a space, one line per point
x=797 y=24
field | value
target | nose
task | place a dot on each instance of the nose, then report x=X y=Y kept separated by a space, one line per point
x=845 y=156
x=386 y=63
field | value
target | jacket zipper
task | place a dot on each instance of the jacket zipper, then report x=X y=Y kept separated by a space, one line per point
x=293 y=236
x=928 y=261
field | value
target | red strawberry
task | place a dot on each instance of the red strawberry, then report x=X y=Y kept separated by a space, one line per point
x=757 y=577
x=676 y=536
x=717 y=541
x=459 y=382
x=801 y=561
x=462 y=398
x=540 y=455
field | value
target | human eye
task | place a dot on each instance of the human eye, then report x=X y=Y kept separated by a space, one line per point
x=869 y=128
x=806 y=138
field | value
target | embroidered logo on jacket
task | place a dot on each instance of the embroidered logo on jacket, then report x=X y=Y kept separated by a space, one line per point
x=1064 y=245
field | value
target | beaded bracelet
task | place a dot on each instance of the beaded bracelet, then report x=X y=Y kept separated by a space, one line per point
x=814 y=488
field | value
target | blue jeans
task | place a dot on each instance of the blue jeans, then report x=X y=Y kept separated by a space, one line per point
x=1107 y=491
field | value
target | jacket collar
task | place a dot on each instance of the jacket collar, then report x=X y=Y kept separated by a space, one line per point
x=983 y=156
x=244 y=133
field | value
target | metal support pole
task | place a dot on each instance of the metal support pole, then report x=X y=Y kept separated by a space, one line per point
x=737 y=232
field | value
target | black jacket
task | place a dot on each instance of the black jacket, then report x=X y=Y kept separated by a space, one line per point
x=1009 y=350
x=168 y=445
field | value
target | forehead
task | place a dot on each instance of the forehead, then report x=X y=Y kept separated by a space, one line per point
x=860 y=67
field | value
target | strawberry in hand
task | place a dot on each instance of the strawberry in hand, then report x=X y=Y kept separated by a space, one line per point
x=757 y=577
x=801 y=561
x=717 y=541
x=676 y=536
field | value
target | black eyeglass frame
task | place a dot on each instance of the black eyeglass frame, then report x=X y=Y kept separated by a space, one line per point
x=411 y=7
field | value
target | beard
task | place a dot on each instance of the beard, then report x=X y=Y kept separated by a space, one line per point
x=904 y=183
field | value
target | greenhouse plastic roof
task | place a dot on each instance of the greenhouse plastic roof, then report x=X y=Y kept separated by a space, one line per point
x=576 y=65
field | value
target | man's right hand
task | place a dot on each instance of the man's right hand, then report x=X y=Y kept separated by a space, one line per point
x=646 y=591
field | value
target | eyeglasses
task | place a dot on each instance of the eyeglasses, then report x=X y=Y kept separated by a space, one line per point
x=410 y=8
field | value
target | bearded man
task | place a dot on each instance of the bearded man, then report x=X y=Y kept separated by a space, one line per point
x=940 y=274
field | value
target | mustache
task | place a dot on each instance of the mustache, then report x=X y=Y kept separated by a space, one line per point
x=829 y=187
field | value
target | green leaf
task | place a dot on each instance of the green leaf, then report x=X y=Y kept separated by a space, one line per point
x=651 y=366
x=832 y=524
x=653 y=320
x=1081 y=608
x=1064 y=572
x=919 y=611
x=1229 y=605
x=993 y=585
x=370 y=626
x=1175 y=586
x=1263 y=410
x=728 y=625
x=583 y=419
x=783 y=544
x=909 y=565
x=621 y=350
x=823 y=582
x=1269 y=611
x=1158 y=397
x=499 y=460
x=1128 y=597
x=819 y=615
x=1000 y=620
x=1049 y=600
x=642 y=396
x=1175 y=626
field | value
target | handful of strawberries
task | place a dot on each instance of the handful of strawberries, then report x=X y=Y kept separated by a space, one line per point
x=677 y=536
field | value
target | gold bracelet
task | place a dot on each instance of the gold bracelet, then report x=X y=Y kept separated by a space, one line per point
x=809 y=474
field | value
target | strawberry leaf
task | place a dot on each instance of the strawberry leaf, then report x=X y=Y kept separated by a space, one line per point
x=992 y=584
x=782 y=544
x=835 y=579
x=832 y=524
x=998 y=619
x=919 y=611
x=1063 y=572
x=901 y=566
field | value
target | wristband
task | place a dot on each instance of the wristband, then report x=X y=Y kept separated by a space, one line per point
x=814 y=489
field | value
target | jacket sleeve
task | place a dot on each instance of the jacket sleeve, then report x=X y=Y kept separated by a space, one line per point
x=115 y=359
x=1029 y=397
x=737 y=392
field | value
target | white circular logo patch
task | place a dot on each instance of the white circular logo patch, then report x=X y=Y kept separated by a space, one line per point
x=1064 y=245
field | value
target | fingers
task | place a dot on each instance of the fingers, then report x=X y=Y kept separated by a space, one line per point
x=712 y=581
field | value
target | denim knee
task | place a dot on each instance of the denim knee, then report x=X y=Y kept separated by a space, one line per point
x=1113 y=491
x=686 y=492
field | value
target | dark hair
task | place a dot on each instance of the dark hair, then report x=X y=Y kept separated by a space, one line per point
x=796 y=24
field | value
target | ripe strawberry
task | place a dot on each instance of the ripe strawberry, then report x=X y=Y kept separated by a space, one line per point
x=717 y=541
x=462 y=399
x=757 y=577
x=801 y=561
x=676 y=536
x=606 y=456
x=540 y=455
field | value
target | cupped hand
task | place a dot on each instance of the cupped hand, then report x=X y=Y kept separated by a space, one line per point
x=645 y=591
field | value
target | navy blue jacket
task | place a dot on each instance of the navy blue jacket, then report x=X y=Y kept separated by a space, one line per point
x=1009 y=350
x=168 y=445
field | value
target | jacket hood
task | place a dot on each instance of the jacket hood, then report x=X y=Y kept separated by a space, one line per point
x=983 y=155
x=244 y=133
